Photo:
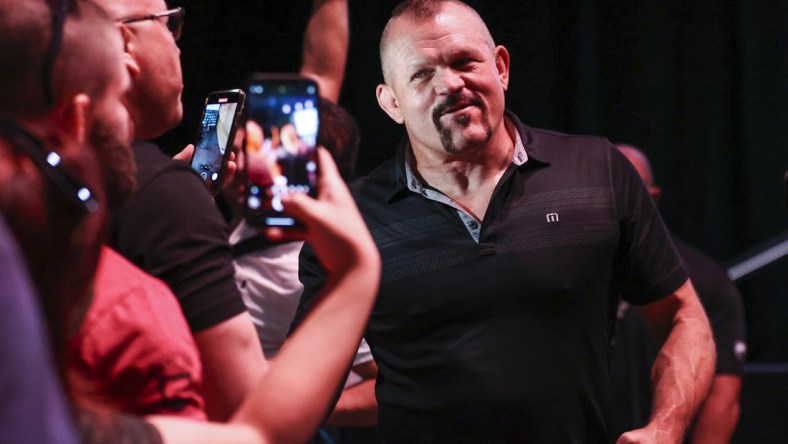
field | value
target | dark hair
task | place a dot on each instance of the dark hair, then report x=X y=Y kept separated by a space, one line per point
x=78 y=66
x=421 y=9
x=340 y=135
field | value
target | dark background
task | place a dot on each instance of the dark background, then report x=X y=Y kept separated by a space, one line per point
x=701 y=87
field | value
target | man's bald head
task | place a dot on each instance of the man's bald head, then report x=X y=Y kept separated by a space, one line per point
x=420 y=11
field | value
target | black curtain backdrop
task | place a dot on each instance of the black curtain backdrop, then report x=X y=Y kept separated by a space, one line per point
x=701 y=87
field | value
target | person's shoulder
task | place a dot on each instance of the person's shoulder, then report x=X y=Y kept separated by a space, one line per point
x=153 y=166
x=168 y=187
x=381 y=177
x=116 y=277
x=126 y=295
x=550 y=140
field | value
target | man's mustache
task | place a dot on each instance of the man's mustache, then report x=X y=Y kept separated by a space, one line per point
x=456 y=101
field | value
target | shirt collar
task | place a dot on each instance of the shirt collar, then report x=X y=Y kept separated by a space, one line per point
x=532 y=152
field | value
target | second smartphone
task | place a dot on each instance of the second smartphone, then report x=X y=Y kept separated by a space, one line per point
x=281 y=135
x=219 y=121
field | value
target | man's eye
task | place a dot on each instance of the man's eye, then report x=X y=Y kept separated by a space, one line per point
x=464 y=63
x=419 y=75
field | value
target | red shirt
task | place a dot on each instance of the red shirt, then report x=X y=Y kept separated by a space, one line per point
x=135 y=350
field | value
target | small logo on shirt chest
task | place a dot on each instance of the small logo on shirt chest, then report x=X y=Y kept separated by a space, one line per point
x=552 y=217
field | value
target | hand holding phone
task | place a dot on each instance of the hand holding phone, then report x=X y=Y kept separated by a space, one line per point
x=280 y=157
x=217 y=131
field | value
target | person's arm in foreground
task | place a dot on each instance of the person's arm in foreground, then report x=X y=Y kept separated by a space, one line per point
x=292 y=398
x=719 y=415
x=683 y=370
x=325 y=46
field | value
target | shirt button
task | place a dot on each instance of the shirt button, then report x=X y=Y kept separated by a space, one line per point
x=473 y=224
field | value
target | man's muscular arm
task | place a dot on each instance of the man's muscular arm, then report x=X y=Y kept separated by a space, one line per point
x=683 y=370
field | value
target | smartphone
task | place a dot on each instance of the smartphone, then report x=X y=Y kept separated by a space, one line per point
x=281 y=122
x=219 y=122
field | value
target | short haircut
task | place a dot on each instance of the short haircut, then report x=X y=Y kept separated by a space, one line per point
x=81 y=66
x=421 y=11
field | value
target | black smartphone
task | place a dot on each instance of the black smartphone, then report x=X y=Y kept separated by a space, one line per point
x=219 y=122
x=281 y=134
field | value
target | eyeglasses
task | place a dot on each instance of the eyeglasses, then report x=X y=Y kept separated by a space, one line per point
x=49 y=164
x=174 y=20
x=58 y=19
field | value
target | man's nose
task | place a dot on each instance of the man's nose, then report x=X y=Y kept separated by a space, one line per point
x=448 y=81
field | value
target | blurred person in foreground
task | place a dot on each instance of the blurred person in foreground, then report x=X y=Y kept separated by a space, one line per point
x=53 y=196
x=131 y=345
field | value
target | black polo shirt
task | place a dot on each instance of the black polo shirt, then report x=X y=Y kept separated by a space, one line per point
x=506 y=339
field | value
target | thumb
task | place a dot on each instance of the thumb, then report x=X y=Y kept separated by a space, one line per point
x=186 y=154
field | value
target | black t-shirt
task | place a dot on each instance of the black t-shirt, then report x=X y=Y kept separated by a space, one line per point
x=506 y=340
x=173 y=230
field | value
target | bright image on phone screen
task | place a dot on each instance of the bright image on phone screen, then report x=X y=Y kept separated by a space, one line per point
x=210 y=150
x=281 y=133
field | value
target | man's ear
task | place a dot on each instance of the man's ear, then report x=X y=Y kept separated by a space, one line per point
x=502 y=64
x=388 y=102
x=129 y=50
x=72 y=117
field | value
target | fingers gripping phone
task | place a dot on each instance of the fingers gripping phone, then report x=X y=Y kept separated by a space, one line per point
x=219 y=121
x=281 y=134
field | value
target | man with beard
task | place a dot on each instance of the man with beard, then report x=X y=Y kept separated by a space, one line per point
x=51 y=194
x=171 y=228
x=131 y=349
x=504 y=250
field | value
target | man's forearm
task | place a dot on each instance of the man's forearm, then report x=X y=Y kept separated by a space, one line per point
x=683 y=370
x=681 y=376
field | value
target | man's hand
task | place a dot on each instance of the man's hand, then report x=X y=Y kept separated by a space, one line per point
x=187 y=153
x=683 y=369
x=648 y=435
x=333 y=224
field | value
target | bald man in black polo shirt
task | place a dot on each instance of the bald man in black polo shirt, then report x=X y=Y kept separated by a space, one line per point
x=504 y=250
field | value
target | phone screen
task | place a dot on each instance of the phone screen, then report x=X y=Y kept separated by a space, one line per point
x=217 y=131
x=281 y=134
